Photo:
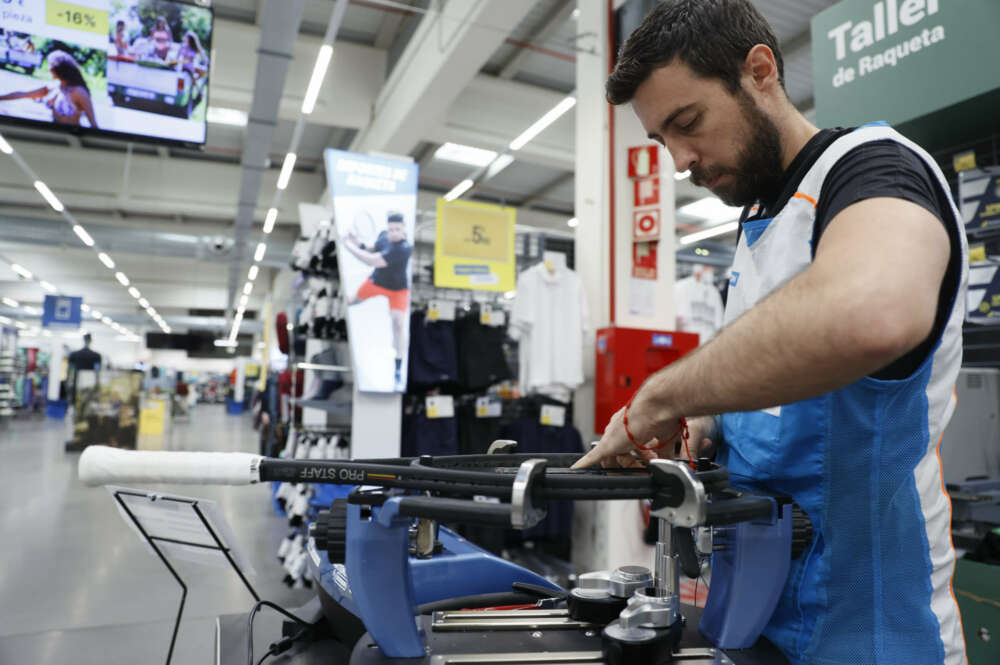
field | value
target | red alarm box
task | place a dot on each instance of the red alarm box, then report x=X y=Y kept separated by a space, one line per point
x=625 y=357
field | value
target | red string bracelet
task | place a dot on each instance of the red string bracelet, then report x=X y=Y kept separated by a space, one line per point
x=682 y=430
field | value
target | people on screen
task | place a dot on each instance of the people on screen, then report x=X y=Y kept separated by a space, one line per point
x=70 y=100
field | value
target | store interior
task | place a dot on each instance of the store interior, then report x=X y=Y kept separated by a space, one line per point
x=333 y=232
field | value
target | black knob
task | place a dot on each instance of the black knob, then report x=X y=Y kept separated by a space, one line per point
x=802 y=531
x=330 y=531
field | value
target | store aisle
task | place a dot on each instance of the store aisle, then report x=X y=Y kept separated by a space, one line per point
x=77 y=584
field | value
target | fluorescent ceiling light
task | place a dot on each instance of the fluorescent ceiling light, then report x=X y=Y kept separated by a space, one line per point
x=106 y=320
x=722 y=229
x=143 y=303
x=682 y=175
x=286 y=170
x=220 y=115
x=21 y=325
x=134 y=292
x=498 y=165
x=166 y=329
x=510 y=295
x=572 y=222
x=243 y=301
x=252 y=275
x=4 y=320
x=31 y=310
x=464 y=154
x=122 y=279
x=270 y=219
x=83 y=235
x=458 y=190
x=21 y=270
x=85 y=307
x=554 y=114
x=224 y=342
x=51 y=288
x=316 y=80
x=258 y=255
x=94 y=313
x=10 y=302
x=5 y=147
x=247 y=288
x=711 y=209
x=106 y=260
x=49 y=197
x=46 y=333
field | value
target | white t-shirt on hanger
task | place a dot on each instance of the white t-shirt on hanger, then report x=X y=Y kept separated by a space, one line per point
x=699 y=308
x=549 y=318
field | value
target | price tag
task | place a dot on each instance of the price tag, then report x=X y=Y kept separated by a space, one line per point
x=485 y=315
x=76 y=17
x=441 y=310
x=440 y=406
x=488 y=407
x=498 y=318
x=554 y=416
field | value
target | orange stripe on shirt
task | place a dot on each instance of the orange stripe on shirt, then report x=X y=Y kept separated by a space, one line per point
x=800 y=195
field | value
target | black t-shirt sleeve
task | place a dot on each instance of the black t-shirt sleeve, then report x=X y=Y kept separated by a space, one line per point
x=889 y=169
x=874 y=170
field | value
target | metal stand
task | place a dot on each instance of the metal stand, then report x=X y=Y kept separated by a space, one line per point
x=152 y=543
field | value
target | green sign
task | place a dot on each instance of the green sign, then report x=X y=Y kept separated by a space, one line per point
x=925 y=66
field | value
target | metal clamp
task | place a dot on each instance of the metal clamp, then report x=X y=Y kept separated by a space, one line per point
x=502 y=447
x=523 y=513
x=620 y=583
x=649 y=611
x=692 y=508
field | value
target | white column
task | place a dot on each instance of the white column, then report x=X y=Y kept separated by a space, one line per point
x=609 y=534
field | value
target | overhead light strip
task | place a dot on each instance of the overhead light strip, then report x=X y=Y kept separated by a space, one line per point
x=57 y=205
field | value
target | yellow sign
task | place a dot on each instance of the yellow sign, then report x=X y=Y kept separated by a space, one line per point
x=977 y=253
x=964 y=161
x=253 y=370
x=76 y=17
x=474 y=247
x=151 y=418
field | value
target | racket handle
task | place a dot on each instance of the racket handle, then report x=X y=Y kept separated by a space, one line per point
x=103 y=465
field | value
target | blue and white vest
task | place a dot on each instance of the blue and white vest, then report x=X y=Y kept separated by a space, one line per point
x=874 y=586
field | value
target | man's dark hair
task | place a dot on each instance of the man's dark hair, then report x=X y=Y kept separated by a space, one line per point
x=394 y=217
x=712 y=37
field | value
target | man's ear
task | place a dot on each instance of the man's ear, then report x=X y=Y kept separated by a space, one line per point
x=760 y=69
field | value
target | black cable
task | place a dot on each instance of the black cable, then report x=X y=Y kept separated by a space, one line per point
x=283 y=645
x=253 y=613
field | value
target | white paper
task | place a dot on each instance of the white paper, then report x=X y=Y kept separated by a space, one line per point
x=171 y=516
x=641 y=297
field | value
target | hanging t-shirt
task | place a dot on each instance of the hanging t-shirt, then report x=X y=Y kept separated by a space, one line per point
x=699 y=308
x=548 y=319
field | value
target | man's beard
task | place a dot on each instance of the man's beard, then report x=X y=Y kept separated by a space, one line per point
x=758 y=175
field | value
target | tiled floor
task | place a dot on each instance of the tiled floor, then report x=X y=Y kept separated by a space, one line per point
x=78 y=586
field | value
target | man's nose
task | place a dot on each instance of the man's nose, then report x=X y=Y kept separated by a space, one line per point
x=683 y=154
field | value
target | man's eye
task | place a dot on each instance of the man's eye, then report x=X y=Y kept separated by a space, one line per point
x=690 y=125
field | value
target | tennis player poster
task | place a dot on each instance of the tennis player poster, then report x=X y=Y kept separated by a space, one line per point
x=374 y=207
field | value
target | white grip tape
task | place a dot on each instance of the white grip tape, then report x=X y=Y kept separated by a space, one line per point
x=103 y=465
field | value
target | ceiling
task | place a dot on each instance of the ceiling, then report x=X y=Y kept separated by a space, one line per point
x=517 y=62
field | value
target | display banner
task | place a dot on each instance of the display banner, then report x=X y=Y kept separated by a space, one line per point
x=106 y=408
x=474 y=246
x=901 y=60
x=62 y=312
x=374 y=208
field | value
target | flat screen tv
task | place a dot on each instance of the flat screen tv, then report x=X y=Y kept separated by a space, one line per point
x=133 y=69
